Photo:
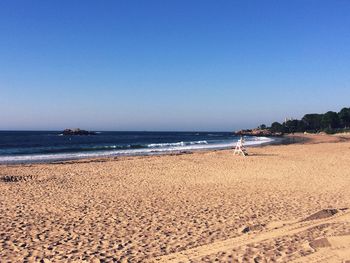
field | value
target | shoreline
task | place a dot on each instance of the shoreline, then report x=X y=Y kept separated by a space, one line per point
x=141 y=152
x=297 y=138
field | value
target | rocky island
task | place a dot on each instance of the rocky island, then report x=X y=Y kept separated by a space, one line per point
x=77 y=132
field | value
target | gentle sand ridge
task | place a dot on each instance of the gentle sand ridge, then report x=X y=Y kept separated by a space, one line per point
x=204 y=206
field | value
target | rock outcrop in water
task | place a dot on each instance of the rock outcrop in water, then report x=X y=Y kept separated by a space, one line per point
x=77 y=132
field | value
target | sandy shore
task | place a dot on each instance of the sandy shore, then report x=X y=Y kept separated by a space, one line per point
x=280 y=204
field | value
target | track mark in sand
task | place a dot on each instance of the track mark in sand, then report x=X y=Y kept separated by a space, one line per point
x=338 y=250
x=228 y=244
x=325 y=213
x=320 y=243
x=322 y=256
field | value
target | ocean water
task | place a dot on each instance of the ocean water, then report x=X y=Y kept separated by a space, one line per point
x=46 y=146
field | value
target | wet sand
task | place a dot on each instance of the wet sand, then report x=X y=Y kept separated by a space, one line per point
x=280 y=204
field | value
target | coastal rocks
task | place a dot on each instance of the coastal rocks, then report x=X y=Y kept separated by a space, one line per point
x=257 y=132
x=77 y=132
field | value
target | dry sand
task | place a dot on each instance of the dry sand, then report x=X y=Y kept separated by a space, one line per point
x=280 y=204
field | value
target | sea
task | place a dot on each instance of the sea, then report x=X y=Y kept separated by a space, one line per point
x=51 y=146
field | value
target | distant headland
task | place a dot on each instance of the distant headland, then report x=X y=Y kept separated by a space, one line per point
x=330 y=122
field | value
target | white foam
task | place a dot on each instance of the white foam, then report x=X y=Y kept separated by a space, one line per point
x=258 y=140
x=175 y=144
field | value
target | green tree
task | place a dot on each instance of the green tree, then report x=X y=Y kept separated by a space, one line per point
x=262 y=127
x=291 y=126
x=301 y=126
x=330 y=120
x=276 y=127
x=344 y=117
x=312 y=121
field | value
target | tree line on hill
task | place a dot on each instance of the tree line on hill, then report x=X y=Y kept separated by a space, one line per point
x=329 y=122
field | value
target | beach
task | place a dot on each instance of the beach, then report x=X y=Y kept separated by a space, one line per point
x=282 y=203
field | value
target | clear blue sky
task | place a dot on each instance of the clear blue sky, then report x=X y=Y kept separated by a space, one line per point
x=170 y=64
